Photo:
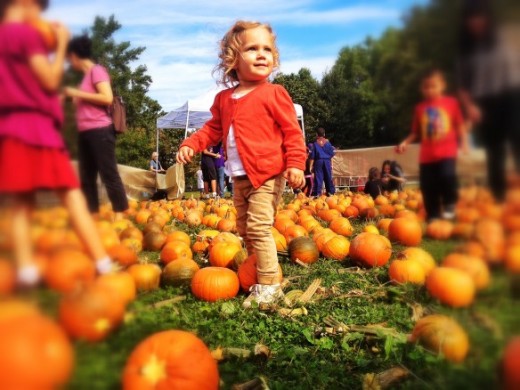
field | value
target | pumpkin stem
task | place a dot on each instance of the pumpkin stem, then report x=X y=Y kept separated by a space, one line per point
x=255 y=384
x=155 y=370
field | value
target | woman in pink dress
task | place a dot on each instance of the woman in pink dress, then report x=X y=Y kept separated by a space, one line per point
x=32 y=152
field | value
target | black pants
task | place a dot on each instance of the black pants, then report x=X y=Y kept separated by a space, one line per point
x=97 y=154
x=500 y=126
x=439 y=186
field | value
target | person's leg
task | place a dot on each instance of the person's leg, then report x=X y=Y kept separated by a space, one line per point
x=430 y=190
x=327 y=177
x=88 y=169
x=105 y=155
x=27 y=272
x=82 y=221
x=318 y=178
x=493 y=133
x=213 y=187
x=449 y=186
x=241 y=189
x=221 y=181
x=513 y=126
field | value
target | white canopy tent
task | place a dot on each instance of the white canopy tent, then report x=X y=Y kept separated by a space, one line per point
x=195 y=112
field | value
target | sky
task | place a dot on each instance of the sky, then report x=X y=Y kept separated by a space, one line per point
x=181 y=36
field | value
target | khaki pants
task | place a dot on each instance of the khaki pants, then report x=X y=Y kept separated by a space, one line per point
x=256 y=209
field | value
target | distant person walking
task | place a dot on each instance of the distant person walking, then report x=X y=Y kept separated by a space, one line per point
x=155 y=165
x=321 y=164
x=220 y=168
x=209 y=170
x=97 y=137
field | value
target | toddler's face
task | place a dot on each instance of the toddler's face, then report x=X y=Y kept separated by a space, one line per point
x=255 y=62
x=433 y=87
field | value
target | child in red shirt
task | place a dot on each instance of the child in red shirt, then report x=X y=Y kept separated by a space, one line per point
x=33 y=155
x=263 y=143
x=438 y=124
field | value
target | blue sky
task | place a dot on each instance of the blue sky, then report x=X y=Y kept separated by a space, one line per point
x=181 y=36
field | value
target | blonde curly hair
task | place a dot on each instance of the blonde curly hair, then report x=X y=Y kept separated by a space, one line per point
x=230 y=51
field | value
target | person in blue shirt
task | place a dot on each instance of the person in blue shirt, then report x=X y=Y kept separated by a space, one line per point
x=155 y=165
x=321 y=164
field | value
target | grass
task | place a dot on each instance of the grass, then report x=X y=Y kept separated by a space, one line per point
x=302 y=357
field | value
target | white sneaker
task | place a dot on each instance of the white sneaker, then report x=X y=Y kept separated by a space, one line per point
x=449 y=212
x=104 y=266
x=263 y=293
x=28 y=275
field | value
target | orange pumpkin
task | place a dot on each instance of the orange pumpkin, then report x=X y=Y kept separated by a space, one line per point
x=179 y=272
x=439 y=229
x=146 y=276
x=283 y=223
x=384 y=223
x=295 y=231
x=225 y=237
x=280 y=241
x=214 y=283
x=451 y=286
x=406 y=271
x=336 y=248
x=154 y=241
x=69 y=270
x=510 y=365
x=47 y=32
x=351 y=212
x=322 y=237
x=329 y=215
x=442 y=335
x=193 y=219
x=91 y=314
x=474 y=266
x=227 y=225
x=200 y=246
x=222 y=254
x=179 y=235
x=512 y=259
x=122 y=255
x=142 y=216
x=370 y=249
x=490 y=234
x=341 y=226
x=420 y=256
x=7 y=277
x=175 y=250
x=172 y=359
x=247 y=274
x=406 y=231
x=36 y=353
x=120 y=284
x=304 y=249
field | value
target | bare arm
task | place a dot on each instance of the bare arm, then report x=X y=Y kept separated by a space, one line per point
x=103 y=96
x=50 y=74
x=401 y=148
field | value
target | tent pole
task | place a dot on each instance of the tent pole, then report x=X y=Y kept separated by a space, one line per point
x=187 y=121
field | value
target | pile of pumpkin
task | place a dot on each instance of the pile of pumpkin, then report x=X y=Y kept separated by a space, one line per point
x=304 y=229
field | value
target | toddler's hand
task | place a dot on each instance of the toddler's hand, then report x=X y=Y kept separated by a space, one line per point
x=184 y=155
x=295 y=177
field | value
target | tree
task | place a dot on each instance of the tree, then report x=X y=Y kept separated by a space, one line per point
x=132 y=84
x=305 y=90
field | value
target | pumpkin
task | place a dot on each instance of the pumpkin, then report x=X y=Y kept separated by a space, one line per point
x=291 y=214
x=322 y=237
x=222 y=254
x=351 y=212
x=68 y=270
x=439 y=229
x=122 y=255
x=146 y=276
x=178 y=235
x=247 y=274
x=304 y=249
x=239 y=258
x=472 y=248
x=36 y=353
x=384 y=223
x=200 y=245
x=387 y=210
x=227 y=225
x=370 y=250
x=490 y=234
x=120 y=284
x=51 y=240
x=406 y=231
x=451 y=286
x=329 y=215
x=46 y=31
x=225 y=237
x=154 y=241
x=510 y=365
x=406 y=271
x=214 y=283
x=152 y=227
x=193 y=219
x=172 y=359
x=369 y=213
x=463 y=230
x=370 y=229
x=91 y=314
x=341 y=226
x=336 y=248
x=7 y=277
x=442 y=335
x=280 y=241
x=295 y=231
x=283 y=223
x=310 y=224
x=474 y=266
x=512 y=259
x=179 y=272
x=175 y=250
x=419 y=255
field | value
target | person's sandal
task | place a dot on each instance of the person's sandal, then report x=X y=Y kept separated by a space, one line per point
x=263 y=294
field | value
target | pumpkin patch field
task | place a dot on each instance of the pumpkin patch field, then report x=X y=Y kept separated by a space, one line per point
x=375 y=298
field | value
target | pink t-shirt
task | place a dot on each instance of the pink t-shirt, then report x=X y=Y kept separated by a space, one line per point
x=92 y=116
x=28 y=112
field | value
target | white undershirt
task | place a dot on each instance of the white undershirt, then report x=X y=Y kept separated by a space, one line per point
x=233 y=165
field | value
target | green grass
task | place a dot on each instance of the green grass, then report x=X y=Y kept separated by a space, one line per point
x=303 y=360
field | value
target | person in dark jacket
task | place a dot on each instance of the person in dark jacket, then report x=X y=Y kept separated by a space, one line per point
x=373 y=185
x=321 y=164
